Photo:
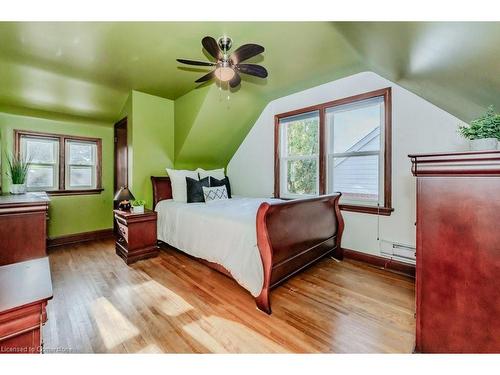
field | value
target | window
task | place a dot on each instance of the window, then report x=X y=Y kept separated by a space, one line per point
x=344 y=145
x=81 y=164
x=44 y=156
x=300 y=154
x=354 y=150
x=61 y=164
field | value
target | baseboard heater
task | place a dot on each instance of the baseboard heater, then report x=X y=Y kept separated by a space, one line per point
x=398 y=251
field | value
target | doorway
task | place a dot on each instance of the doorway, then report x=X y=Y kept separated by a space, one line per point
x=121 y=155
x=121 y=161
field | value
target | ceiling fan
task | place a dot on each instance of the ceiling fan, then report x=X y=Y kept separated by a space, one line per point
x=228 y=67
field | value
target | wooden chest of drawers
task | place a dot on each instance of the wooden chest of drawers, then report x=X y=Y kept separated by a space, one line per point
x=25 y=288
x=458 y=252
x=23 y=227
x=136 y=237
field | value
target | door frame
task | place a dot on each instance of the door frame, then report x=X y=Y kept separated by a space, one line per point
x=122 y=124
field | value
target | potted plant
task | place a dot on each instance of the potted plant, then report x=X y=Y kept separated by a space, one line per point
x=17 y=171
x=483 y=132
x=138 y=206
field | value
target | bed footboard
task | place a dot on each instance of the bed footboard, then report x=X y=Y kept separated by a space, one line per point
x=292 y=235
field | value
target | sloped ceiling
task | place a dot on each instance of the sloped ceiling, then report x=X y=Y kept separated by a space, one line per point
x=87 y=70
x=210 y=127
x=454 y=65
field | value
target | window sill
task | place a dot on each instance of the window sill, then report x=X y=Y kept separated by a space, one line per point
x=373 y=210
x=74 y=192
x=383 y=211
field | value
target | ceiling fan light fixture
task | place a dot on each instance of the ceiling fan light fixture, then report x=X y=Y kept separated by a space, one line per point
x=224 y=73
x=227 y=67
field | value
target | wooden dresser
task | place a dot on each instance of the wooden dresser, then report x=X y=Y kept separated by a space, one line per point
x=458 y=252
x=25 y=288
x=23 y=227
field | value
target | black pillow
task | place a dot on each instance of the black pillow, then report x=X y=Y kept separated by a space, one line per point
x=194 y=189
x=224 y=182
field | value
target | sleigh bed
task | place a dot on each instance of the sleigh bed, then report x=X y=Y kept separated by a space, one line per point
x=290 y=235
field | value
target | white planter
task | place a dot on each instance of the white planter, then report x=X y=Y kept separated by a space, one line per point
x=137 y=209
x=483 y=144
x=17 y=188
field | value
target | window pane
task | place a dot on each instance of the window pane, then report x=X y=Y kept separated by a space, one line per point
x=355 y=127
x=302 y=134
x=41 y=176
x=81 y=153
x=44 y=151
x=302 y=176
x=81 y=177
x=356 y=177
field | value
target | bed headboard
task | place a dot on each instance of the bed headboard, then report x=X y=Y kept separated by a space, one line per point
x=162 y=189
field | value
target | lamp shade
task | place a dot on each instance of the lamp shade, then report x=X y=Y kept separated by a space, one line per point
x=124 y=194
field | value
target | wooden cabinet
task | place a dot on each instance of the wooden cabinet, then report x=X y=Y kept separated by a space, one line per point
x=25 y=288
x=136 y=237
x=458 y=252
x=23 y=227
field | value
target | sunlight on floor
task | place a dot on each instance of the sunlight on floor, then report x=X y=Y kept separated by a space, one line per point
x=114 y=328
x=150 y=349
x=164 y=300
x=221 y=335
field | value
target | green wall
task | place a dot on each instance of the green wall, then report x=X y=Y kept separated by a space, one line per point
x=150 y=121
x=209 y=128
x=68 y=214
x=151 y=150
x=152 y=142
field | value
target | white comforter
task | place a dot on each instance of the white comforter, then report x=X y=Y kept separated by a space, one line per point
x=223 y=232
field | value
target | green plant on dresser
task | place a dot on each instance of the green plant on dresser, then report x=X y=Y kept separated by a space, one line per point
x=483 y=132
x=17 y=171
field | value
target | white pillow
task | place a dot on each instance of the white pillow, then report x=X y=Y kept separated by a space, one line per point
x=179 y=186
x=215 y=173
x=215 y=193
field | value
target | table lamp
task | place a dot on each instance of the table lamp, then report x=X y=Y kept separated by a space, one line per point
x=124 y=196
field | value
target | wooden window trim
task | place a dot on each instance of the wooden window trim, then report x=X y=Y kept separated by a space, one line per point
x=62 y=138
x=386 y=93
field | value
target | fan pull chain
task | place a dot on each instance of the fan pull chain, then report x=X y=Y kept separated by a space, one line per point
x=225 y=52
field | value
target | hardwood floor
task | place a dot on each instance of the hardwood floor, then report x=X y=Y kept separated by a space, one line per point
x=174 y=304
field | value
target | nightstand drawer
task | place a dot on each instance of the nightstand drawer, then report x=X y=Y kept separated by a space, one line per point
x=122 y=230
x=120 y=219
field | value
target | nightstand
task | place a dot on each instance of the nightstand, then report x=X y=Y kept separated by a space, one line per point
x=136 y=237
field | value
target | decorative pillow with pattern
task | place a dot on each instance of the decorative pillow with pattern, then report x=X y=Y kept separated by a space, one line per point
x=215 y=193
x=223 y=182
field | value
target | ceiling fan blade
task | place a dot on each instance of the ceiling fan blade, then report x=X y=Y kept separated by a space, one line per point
x=245 y=52
x=253 y=70
x=212 y=47
x=194 y=62
x=235 y=81
x=206 y=77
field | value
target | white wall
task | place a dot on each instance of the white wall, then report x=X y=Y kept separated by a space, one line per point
x=418 y=126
